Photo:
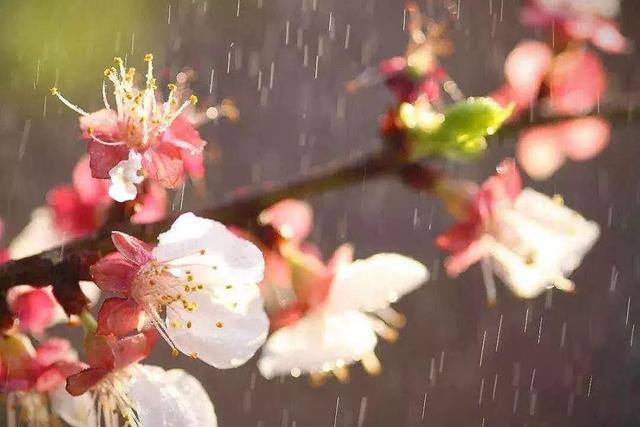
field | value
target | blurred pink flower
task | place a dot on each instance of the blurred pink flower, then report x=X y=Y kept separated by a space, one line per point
x=36 y=309
x=579 y=20
x=542 y=150
x=34 y=379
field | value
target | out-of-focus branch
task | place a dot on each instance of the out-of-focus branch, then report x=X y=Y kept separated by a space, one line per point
x=63 y=266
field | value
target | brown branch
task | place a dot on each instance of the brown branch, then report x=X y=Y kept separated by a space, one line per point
x=63 y=266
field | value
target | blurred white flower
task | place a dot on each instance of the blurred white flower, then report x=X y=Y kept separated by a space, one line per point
x=538 y=242
x=343 y=329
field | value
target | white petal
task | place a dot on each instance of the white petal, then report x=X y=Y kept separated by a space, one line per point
x=37 y=236
x=539 y=242
x=318 y=343
x=196 y=240
x=226 y=328
x=169 y=398
x=577 y=234
x=373 y=283
x=91 y=291
x=124 y=177
x=77 y=411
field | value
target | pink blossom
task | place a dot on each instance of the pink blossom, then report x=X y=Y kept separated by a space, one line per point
x=168 y=144
x=78 y=209
x=543 y=149
x=579 y=20
x=575 y=79
x=33 y=381
x=36 y=309
x=576 y=82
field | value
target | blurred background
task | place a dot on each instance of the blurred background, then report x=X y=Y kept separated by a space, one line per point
x=560 y=359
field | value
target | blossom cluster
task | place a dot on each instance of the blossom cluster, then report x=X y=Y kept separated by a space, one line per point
x=562 y=77
x=219 y=294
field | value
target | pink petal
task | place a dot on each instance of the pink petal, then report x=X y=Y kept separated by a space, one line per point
x=118 y=316
x=113 y=273
x=182 y=134
x=71 y=215
x=134 y=250
x=277 y=271
x=54 y=350
x=576 y=82
x=584 y=138
x=607 y=37
x=165 y=166
x=103 y=158
x=82 y=381
x=34 y=310
x=153 y=206
x=193 y=164
x=99 y=349
x=103 y=125
x=311 y=279
x=458 y=237
x=292 y=219
x=4 y=256
x=539 y=151
x=92 y=191
x=286 y=316
x=135 y=348
x=497 y=190
x=460 y=261
x=525 y=68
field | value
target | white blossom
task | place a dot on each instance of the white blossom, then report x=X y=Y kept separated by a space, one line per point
x=343 y=330
x=538 y=242
x=125 y=176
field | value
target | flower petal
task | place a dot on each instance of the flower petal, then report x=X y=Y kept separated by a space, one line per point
x=77 y=411
x=169 y=398
x=92 y=191
x=101 y=124
x=525 y=68
x=576 y=82
x=118 y=316
x=39 y=235
x=540 y=151
x=134 y=250
x=71 y=215
x=292 y=219
x=103 y=158
x=152 y=206
x=113 y=273
x=79 y=383
x=207 y=242
x=585 y=137
x=224 y=330
x=373 y=283
x=34 y=310
x=318 y=343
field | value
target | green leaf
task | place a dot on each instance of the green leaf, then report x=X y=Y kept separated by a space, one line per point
x=460 y=132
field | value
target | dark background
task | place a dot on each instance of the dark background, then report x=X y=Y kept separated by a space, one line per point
x=432 y=375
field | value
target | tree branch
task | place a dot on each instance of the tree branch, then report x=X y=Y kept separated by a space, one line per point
x=63 y=266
